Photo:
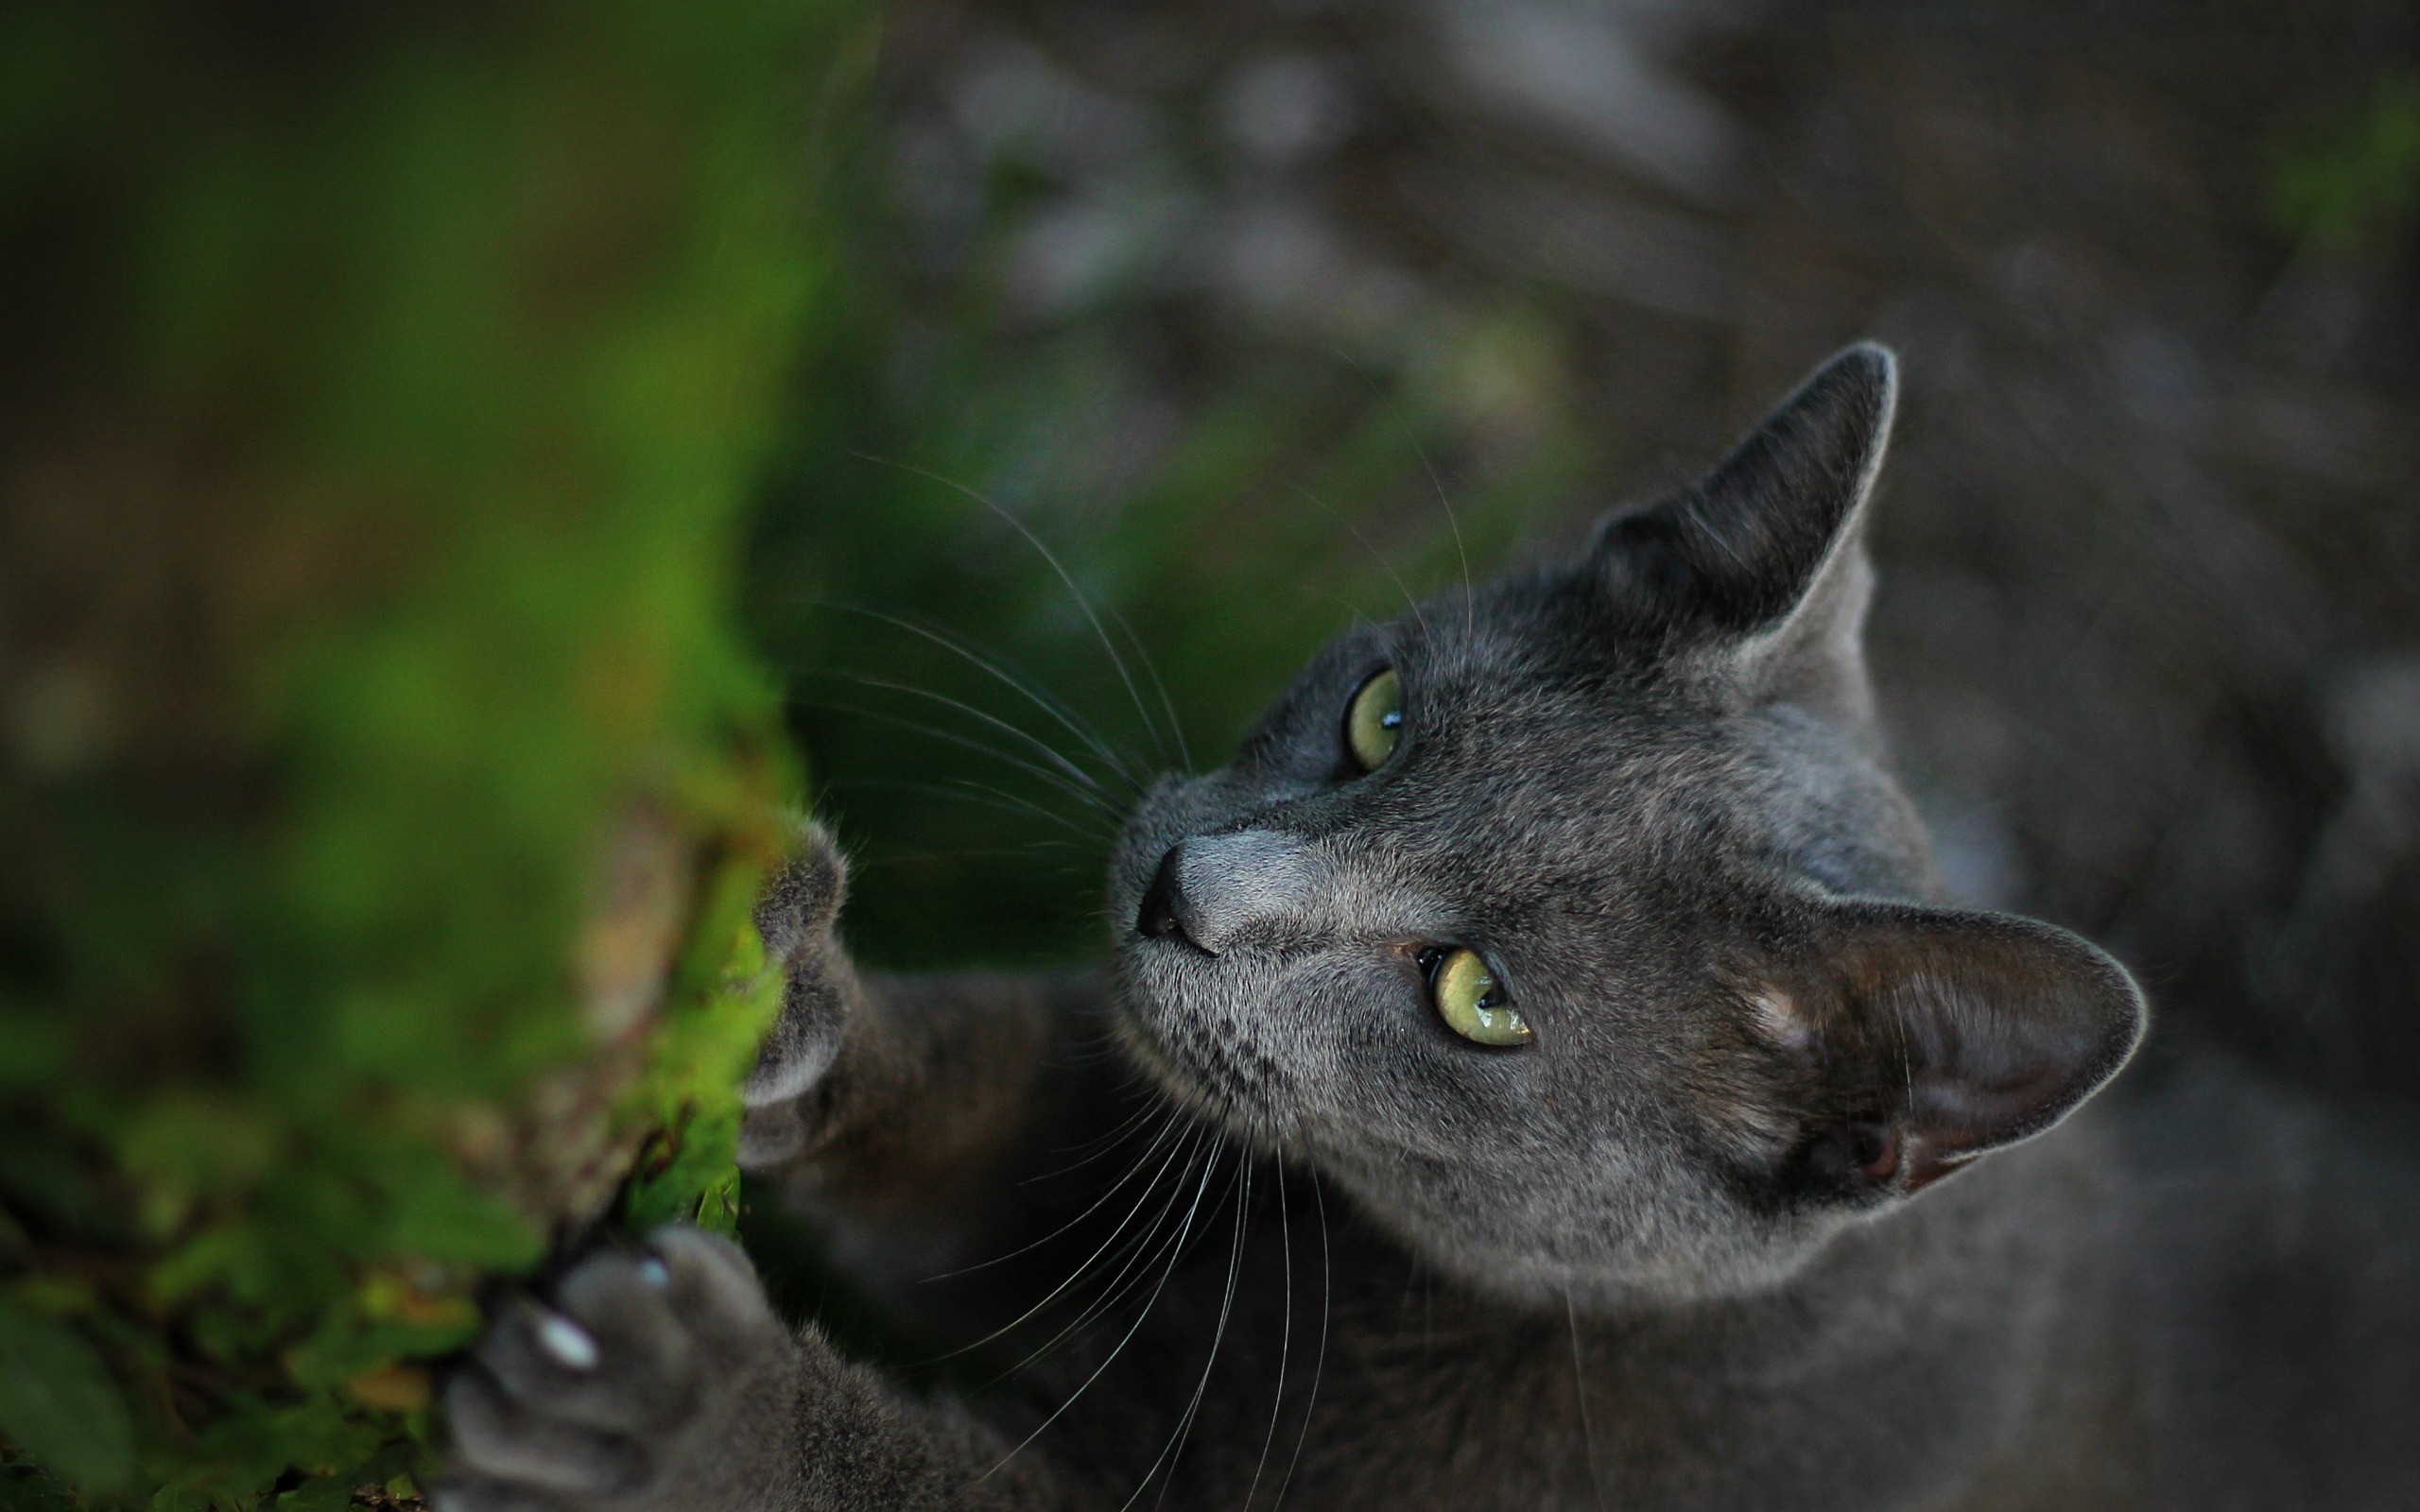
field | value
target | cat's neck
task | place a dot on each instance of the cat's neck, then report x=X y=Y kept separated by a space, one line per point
x=1987 y=1241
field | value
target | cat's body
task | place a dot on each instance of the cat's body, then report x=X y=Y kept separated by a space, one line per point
x=2197 y=1292
x=1660 y=1221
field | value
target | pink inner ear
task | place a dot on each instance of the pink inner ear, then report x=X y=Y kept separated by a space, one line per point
x=1974 y=1030
x=1778 y=1018
x=1924 y=1164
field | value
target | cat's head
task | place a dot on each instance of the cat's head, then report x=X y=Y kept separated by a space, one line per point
x=1576 y=924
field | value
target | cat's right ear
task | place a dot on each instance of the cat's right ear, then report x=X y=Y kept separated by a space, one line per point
x=1764 y=556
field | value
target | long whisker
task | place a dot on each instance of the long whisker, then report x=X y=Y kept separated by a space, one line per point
x=1085 y=796
x=1150 y=670
x=1129 y=1267
x=1082 y=787
x=1353 y=615
x=978 y=793
x=1470 y=593
x=1097 y=1203
x=1056 y=758
x=1101 y=834
x=1319 y=1365
x=991 y=852
x=1285 y=1331
x=1132 y=1268
x=1066 y=577
x=1175 y=1450
x=1107 y=1142
x=1094 y=740
x=1175 y=1253
x=1394 y=412
x=1375 y=555
x=1579 y=1394
x=1099 y=1046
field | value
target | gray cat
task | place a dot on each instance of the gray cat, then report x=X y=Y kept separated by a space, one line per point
x=1537 y=1071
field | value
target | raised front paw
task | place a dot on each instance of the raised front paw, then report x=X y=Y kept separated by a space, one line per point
x=796 y=918
x=655 y=1379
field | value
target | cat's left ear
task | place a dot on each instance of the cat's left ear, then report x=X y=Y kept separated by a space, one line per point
x=1764 y=556
x=1933 y=1036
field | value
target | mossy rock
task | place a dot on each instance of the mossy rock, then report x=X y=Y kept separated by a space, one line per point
x=386 y=781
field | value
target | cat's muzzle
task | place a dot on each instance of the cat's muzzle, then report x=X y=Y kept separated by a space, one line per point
x=1211 y=890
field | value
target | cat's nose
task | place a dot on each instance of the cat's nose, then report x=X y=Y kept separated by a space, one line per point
x=1157 y=918
x=1214 y=888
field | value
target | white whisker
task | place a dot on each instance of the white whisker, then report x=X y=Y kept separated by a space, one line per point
x=1087 y=797
x=1175 y=1253
x=1284 y=1331
x=1579 y=1394
x=1110 y=756
x=1066 y=577
x=1184 y=1433
x=1057 y=756
x=1375 y=555
x=1318 y=1362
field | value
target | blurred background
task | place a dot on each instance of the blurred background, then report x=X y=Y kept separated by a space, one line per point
x=464 y=467
x=1242 y=309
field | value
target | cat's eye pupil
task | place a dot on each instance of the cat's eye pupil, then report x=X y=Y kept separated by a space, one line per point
x=1373 y=720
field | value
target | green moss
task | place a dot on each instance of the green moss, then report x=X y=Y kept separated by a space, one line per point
x=387 y=775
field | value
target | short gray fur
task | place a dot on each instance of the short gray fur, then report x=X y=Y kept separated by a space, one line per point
x=1794 y=1201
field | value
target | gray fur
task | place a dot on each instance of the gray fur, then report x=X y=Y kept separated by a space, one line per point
x=1795 y=1200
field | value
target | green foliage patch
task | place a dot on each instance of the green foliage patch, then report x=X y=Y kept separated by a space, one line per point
x=384 y=776
x=2349 y=182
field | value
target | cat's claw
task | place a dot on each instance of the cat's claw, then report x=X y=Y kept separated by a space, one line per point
x=635 y=1385
x=796 y=920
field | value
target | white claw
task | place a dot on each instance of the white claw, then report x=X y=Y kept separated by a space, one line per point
x=567 y=1342
x=654 y=1273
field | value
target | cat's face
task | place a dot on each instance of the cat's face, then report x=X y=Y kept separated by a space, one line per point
x=1574 y=925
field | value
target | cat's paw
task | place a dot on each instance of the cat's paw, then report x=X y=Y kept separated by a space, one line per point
x=647 y=1379
x=797 y=918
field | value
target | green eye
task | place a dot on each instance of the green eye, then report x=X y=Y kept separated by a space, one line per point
x=1374 y=721
x=1471 y=1004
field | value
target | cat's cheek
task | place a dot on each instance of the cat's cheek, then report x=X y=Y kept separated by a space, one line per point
x=1152 y=990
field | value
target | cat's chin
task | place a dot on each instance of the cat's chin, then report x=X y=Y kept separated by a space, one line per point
x=1606 y=1289
x=1624 y=1279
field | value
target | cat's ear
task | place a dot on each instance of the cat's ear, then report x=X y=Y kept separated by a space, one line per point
x=1935 y=1036
x=1765 y=554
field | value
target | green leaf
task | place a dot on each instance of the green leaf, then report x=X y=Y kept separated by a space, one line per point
x=328 y=1493
x=57 y=1406
x=439 y=1216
